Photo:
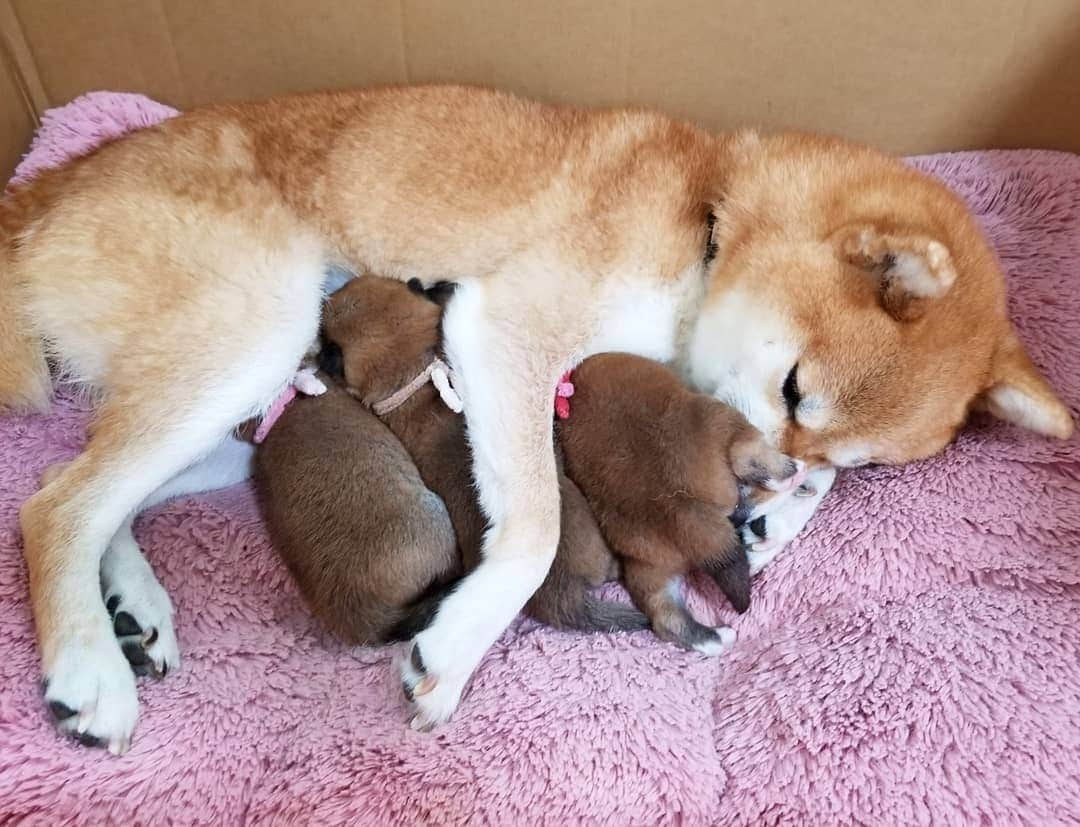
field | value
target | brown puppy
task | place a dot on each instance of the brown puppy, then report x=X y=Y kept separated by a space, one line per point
x=380 y=334
x=662 y=468
x=347 y=510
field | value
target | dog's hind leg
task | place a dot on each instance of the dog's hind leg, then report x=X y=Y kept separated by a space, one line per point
x=150 y=428
x=139 y=606
x=136 y=601
x=66 y=528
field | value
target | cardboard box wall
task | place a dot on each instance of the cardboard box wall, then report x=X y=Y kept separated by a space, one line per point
x=908 y=75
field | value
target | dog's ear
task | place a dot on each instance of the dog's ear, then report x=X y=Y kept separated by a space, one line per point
x=911 y=269
x=1018 y=393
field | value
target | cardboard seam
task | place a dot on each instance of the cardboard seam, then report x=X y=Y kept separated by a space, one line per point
x=404 y=42
x=30 y=91
x=174 y=54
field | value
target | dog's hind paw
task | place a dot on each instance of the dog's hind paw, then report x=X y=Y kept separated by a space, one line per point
x=90 y=691
x=140 y=608
x=145 y=632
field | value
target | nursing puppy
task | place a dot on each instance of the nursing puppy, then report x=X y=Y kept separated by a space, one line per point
x=848 y=305
x=364 y=538
x=663 y=468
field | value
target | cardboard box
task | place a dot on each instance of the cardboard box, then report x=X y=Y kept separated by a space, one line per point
x=908 y=75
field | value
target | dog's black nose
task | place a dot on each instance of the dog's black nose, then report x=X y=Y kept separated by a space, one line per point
x=758 y=527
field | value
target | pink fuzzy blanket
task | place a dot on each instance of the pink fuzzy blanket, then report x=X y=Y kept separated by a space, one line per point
x=913 y=659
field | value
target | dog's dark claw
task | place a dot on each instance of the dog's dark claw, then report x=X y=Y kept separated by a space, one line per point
x=164 y=669
x=135 y=654
x=417 y=661
x=60 y=710
x=124 y=625
x=112 y=603
x=88 y=740
x=407 y=690
x=150 y=638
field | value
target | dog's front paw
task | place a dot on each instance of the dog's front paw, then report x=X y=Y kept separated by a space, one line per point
x=434 y=695
x=767 y=535
x=90 y=691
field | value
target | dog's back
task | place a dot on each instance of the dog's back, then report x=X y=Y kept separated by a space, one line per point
x=361 y=533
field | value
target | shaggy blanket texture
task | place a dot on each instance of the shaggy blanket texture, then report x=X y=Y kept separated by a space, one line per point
x=913 y=659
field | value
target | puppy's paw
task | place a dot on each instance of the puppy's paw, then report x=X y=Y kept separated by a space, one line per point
x=90 y=691
x=786 y=482
x=308 y=383
x=714 y=641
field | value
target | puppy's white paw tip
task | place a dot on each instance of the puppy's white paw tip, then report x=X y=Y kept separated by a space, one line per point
x=723 y=638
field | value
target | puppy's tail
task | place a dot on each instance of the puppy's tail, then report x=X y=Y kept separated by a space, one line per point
x=608 y=616
x=569 y=607
x=566 y=603
x=24 y=372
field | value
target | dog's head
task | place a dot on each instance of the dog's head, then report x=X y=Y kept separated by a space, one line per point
x=854 y=311
x=378 y=334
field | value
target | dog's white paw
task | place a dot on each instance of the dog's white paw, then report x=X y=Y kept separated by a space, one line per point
x=90 y=691
x=142 y=622
x=433 y=692
x=140 y=609
x=766 y=536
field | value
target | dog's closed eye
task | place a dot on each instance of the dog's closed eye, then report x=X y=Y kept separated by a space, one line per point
x=790 y=390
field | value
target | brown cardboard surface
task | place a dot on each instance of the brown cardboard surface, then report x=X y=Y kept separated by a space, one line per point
x=16 y=125
x=909 y=75
x=17 y=117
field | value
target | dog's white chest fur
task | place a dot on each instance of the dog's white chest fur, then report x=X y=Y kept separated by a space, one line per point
x=645 y=318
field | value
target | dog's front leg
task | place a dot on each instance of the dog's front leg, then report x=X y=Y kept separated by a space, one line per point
x=506 y=373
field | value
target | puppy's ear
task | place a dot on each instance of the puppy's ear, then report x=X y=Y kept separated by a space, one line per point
x=441 y=292
x=331 y=360
x=911 y=269
x=1018 y=393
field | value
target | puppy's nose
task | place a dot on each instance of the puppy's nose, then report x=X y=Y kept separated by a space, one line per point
x=741 y=514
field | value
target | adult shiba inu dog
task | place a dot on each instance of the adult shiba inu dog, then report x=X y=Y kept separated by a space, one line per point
x=846 y=304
